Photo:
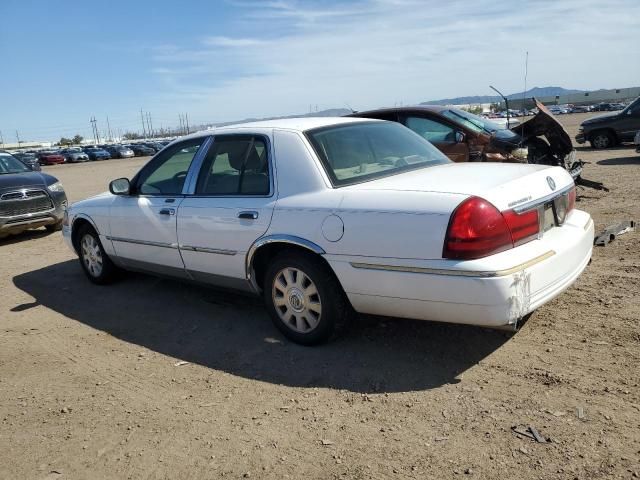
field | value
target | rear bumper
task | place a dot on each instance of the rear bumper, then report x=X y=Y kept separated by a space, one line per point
x=494 y=292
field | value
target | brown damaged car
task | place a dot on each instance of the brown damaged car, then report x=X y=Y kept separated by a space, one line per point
x=465 y=137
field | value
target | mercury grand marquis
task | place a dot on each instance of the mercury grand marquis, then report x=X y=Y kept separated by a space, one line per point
x=327 y=216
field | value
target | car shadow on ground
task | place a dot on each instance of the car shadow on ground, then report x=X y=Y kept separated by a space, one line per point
x=634 y=160
x=233 y=333
x=26 y=236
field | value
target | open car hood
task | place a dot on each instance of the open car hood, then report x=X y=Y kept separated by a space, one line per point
x=543 y=124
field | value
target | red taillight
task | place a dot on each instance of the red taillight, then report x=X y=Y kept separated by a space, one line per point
x=523 y=226
x=478 y=229
x=571 y=199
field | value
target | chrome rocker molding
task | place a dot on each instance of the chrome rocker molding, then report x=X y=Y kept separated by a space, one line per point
x=278 y=238
x=457 y=273
x=142 y=242
x=218 y=251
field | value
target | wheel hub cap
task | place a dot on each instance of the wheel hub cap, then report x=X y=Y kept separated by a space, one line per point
x=91 y=255
x=296 y=300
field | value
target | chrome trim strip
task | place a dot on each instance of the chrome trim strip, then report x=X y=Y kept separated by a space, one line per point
x=456 y=273
x=277 y=238
x=218 y=251
x=142 y=242
x=23 y=194
x=541 y=201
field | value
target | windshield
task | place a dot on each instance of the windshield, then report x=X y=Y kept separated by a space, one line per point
x=359 y=152
x=471 y=121
x=10 y=164
x=633 y=107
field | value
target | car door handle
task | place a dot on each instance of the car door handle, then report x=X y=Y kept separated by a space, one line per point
x=248 y=215
x=167 y=211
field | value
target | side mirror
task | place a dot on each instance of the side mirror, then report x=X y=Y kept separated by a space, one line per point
x=459 y=137
x=120 y=186
x=35 y=167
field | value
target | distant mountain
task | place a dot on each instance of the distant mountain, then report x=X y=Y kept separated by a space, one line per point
x=537 y=92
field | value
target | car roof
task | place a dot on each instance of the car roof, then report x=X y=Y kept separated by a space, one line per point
x=413 y=108
x=300 y=124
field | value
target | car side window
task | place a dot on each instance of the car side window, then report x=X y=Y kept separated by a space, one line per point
x=431 y=130
x=235 y=165
x=166 y=173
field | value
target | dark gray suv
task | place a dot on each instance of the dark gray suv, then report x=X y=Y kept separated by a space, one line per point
x=28 y=199
x=611 y=129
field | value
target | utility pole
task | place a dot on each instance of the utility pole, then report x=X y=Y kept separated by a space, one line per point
x=109 y=129
x=186 y=116
x=94 y=129
x=144 y=131
x=149 y=125
x=18 y=137
x=181 y=124
x=1 y=139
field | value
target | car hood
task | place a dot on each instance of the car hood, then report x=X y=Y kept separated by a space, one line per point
x=600 y=118
x=544 y=124
x=13 y=181
x=503 y=184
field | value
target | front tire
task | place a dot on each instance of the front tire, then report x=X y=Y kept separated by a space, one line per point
x=96 y=265
x=304 y=299
x=602 y=140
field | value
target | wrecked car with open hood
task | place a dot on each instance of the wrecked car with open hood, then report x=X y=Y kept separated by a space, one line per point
x=465 y=137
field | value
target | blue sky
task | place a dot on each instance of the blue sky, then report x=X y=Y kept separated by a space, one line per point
x=64 y=62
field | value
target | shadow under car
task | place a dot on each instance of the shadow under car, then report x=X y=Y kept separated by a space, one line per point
x=233 y=333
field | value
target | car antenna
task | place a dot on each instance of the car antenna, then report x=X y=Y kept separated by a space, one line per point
x=506 y=103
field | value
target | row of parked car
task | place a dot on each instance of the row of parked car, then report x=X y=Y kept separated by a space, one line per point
x=90 y=153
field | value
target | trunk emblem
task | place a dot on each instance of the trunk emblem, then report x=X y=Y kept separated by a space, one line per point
x=552 y=184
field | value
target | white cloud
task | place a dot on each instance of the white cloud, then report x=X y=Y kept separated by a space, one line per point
x=231 y=42
x=378 y=52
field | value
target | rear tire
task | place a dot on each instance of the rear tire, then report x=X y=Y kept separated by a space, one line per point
x=96 y=265
x=304 y=299
x=602 y=139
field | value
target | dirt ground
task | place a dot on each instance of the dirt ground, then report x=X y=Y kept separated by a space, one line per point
x=153 y=379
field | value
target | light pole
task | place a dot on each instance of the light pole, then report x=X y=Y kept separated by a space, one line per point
x=506 y=102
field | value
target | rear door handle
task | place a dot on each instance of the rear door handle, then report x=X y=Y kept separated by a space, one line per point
x=250 y=215
x=167 y=211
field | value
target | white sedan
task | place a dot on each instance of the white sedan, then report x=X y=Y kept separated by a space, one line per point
x=324 y=216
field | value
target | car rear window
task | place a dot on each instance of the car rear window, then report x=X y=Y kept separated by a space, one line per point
x=353 y=153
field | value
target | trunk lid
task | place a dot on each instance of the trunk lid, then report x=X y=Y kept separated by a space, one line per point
x=505 y=185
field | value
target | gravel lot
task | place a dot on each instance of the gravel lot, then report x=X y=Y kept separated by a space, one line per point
x=94 y=384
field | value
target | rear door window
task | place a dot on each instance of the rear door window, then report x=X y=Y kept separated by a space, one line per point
x=235 y=165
